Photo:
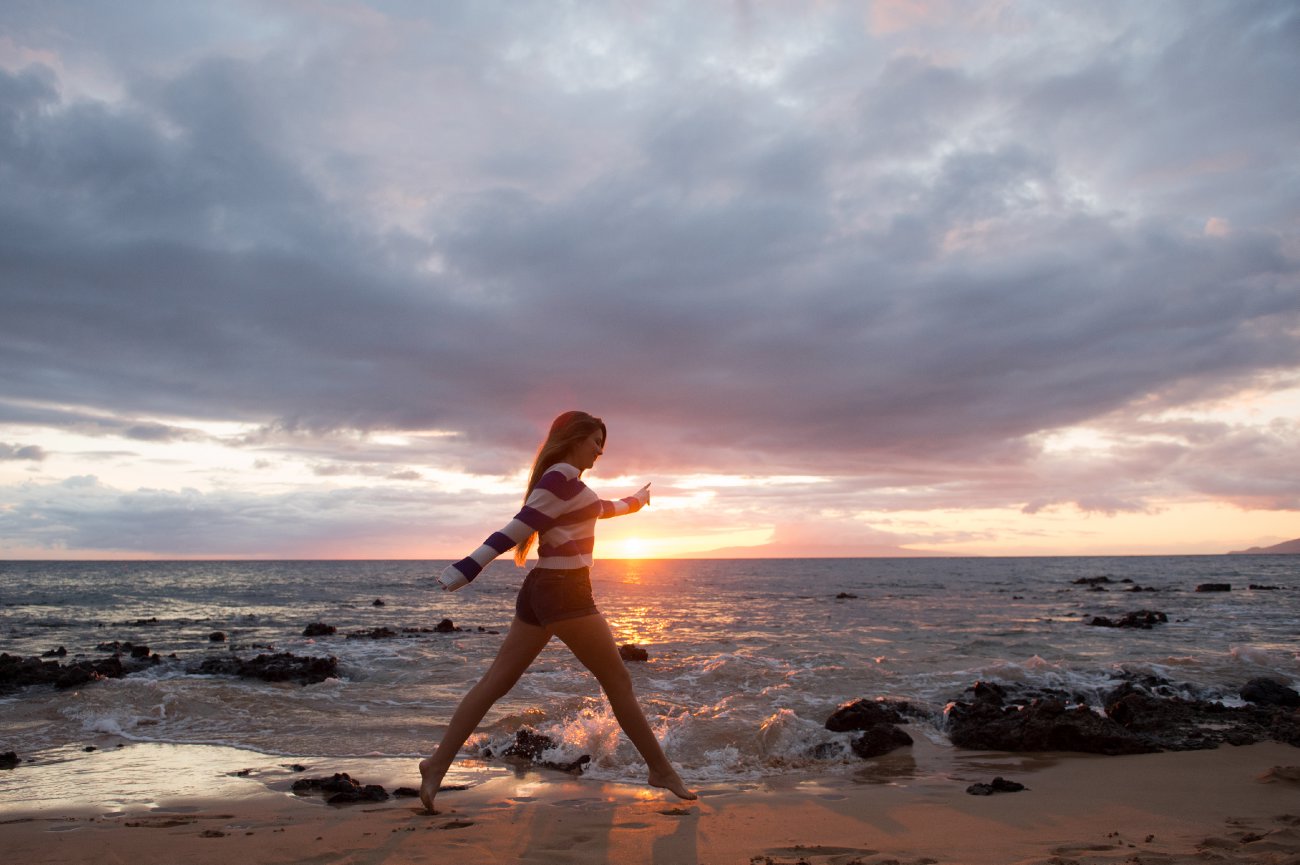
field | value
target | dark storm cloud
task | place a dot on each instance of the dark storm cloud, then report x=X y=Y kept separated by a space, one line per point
x=853 y=259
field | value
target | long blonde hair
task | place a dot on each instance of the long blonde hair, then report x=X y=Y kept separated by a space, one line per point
x=566 y=431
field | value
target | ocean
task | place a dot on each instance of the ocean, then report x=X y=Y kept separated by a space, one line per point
x=747 y=658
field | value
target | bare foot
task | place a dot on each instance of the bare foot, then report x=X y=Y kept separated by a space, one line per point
x=672 y=782
x=429 y=783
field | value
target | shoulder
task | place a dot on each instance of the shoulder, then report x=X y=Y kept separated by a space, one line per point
x=561 y=480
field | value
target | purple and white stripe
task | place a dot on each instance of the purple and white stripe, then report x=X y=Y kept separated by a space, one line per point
x=562 y=510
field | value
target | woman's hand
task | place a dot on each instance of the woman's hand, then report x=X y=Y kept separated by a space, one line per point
x=643 y=495
x=452 y=579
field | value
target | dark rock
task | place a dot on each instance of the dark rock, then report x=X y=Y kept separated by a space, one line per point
x=216 y=637
x=1214 y=587
x=16 y=672
x=862 y=715
x=319 y=629
x=140 y=623
x=89 y=748
x=8 y=760
x=988 y=692
x=528 y=746
x=1178 y=724
x=282 y=667
x=1144 y=619
x=1093 y=581
x=1255 y=588
x=373 y=634
x=446 y=626
x=377 y=602
x=1041 y=725
x=341 y=789
x=880 y=739
x=60 y=652
x=405 y=793
x=998 y=785
x=846 y=596
x=1270 y=692
x=629 y=652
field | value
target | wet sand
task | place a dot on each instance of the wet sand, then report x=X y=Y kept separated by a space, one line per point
x=146 y=803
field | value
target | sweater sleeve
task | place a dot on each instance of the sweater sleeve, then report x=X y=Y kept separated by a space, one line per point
x=546 y=504
x=627 y=505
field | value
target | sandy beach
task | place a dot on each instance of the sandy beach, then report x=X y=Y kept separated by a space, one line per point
x=146 y=803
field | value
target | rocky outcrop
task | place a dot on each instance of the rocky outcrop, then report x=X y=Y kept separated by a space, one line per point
x=876 y=720
x=380 y=633
x=17 y=672
x=1142 y=715
x=629 y=652
x=997 y=785
x=864 y=714
x=340 y=789
x=1144 y=619
x=527 y=747
x=1270 y=692
x=987 y=722
x=880 y=739
x=1099 y=582
x=1179 y=724
x=281 y=667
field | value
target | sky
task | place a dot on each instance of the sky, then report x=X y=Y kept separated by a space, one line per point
x=307 y=279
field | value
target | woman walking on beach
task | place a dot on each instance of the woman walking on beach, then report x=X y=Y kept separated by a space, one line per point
x=555 y=599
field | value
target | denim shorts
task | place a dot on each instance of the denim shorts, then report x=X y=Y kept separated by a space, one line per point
x=552 y=595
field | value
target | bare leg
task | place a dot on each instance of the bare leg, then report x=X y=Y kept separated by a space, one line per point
x=521 y=647
x=592 y=643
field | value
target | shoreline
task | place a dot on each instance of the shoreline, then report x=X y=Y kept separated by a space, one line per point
x=164 y=803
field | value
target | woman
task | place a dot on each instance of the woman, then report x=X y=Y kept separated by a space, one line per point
x=555 y=599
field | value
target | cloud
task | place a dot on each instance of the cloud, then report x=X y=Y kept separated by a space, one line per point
x=775 y=241
x=83 y=513
x=34 y=453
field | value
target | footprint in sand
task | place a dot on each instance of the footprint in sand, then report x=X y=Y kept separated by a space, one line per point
x=457 y=824
x=1276 y=842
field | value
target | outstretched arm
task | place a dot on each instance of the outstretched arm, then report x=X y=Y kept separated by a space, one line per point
x=628 y=505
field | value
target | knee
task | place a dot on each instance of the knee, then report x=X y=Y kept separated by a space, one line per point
x=492 y=688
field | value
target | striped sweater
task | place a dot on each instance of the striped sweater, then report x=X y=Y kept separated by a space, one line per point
x=563 y=511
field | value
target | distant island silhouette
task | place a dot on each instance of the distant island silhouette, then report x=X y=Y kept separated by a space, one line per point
x=1283 y=549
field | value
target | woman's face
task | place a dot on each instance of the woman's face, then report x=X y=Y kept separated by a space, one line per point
x=583 y=455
